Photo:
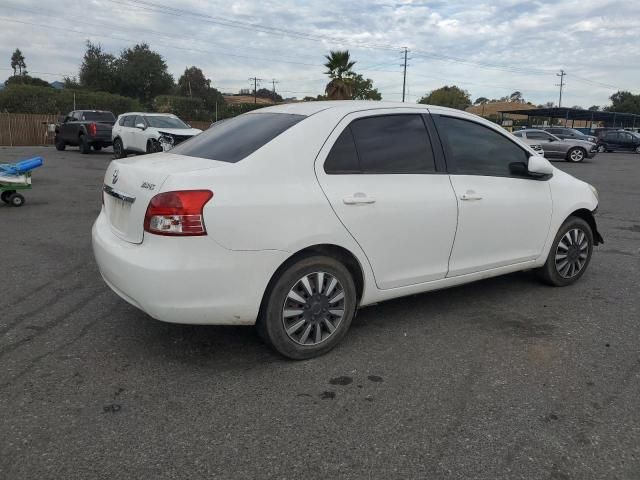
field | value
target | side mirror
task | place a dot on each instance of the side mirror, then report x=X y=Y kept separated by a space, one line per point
x=141 y=126
x=539 y=166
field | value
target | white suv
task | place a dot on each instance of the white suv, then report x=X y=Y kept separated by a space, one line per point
x=136 y=132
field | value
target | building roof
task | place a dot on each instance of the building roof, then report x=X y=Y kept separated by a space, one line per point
x=608 y=118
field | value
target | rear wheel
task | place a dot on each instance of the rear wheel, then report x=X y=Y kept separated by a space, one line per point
x=118 y=149
x=60 y=144
x=570 y=253
x=576 y=155
x=84 y=145
x=6 y=194
x=309 y=308
x=638 y=149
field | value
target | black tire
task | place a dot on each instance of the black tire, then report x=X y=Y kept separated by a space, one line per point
x=4 y=196
x=602 y=148
x=97 y=148
x=118 y=149
x=553 y=270
x=576 y=155
x=16 y=200
x=315 y=314
x=638 y=149
x=60 y=144
x=85 y=148
x=153 y=146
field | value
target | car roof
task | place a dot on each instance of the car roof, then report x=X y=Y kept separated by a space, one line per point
x=345 y=106
x=149 y=114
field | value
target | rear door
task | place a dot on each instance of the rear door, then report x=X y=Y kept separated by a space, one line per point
x=551 y=147
x=388 y=187
x=504 y=215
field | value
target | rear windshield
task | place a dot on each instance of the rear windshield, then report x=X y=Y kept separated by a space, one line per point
x=157 y=121
x=236 y=138
x=99 y=116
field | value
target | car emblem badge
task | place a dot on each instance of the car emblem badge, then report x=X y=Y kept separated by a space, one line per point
x=114 y=180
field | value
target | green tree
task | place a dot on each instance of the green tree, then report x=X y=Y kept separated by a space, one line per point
x=98 y=69
x=194 y=84
x=448 y=96
x=25 y=79
x=18 y=63
x=339 y=65
x=481 y=100
x=362 y=88
x=624 y=102
x=142 y=74
x=594 y=108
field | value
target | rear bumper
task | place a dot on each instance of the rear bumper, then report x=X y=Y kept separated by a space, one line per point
x=185 y=280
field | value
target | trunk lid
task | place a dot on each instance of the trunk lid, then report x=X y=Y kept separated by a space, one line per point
x=130 y=183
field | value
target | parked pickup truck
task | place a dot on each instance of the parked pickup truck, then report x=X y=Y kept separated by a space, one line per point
x=85 y=129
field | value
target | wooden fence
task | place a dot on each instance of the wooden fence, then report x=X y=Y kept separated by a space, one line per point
x=25 y=129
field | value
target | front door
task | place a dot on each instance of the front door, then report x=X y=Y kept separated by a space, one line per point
x=379 y=174
x=504 y=215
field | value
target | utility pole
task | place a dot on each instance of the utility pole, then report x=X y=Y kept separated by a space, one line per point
x=404 y=75
x=255 y=88
x=273 y=92
x=561 y=85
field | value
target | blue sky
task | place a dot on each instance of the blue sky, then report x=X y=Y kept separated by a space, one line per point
x=489 y=48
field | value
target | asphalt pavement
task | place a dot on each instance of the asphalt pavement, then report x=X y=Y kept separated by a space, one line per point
x=500 y=379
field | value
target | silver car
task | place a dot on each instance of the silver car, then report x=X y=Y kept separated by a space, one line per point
x=571 y=150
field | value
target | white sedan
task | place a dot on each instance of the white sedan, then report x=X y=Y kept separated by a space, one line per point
x=292 y=217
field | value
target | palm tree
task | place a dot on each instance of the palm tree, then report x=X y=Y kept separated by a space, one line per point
x=339 y=67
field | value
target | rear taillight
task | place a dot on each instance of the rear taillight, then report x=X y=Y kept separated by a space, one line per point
x=177 y=213
x=92 y=129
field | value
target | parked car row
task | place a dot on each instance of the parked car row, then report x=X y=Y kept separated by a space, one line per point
x=570 y=149
x=133 y=132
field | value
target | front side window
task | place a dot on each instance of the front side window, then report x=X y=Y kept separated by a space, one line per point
x=236 y=138
x=138 y=120
x=388 y=144
x=479 y=150
x=128 y=120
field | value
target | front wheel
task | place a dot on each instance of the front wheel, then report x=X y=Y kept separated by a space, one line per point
x=638 y=149
x=576 y=155
x=153 y=146
x=60 y=144
x=570 y=253
x=602 y=149
x=16 y=200
x=118 y=149
x=6 y=194
x=309 y=308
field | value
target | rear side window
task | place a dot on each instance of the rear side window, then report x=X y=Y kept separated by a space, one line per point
x=98 y=116
x=479 y=150
x=343 y=158
x=389 y=144
x=234 y=139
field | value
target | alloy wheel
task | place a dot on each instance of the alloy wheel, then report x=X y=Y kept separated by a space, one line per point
x=572 y=253
x=576 y=155
x=313 y=308
x=602 y=149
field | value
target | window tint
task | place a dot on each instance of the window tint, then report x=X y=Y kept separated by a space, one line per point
x=121 y=121
x=479 y=150
x=98 y=116
x=393 y=144
x=611 y=136
x=235 y=139
x=343 y=157
x=138 y=120
x=538 y=136
x=128 y=120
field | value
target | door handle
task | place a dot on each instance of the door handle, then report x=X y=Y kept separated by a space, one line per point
x=358 y=199
x=470 y=195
